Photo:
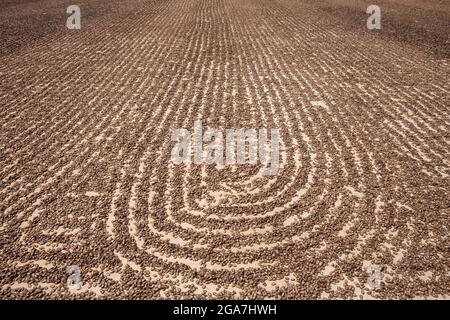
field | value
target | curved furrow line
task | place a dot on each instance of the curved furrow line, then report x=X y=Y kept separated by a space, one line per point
x=93 y=95
x=93 y=133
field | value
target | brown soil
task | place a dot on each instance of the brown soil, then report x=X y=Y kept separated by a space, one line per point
x=86 y=118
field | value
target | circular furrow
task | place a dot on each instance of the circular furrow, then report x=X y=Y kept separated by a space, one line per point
x=90 y=181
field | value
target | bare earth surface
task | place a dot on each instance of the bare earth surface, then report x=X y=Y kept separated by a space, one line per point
x=85 y=171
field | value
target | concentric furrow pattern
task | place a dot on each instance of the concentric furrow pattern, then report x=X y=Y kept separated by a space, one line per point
x=86 y=177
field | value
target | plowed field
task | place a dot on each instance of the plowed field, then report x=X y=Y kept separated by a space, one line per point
x=85 y=142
